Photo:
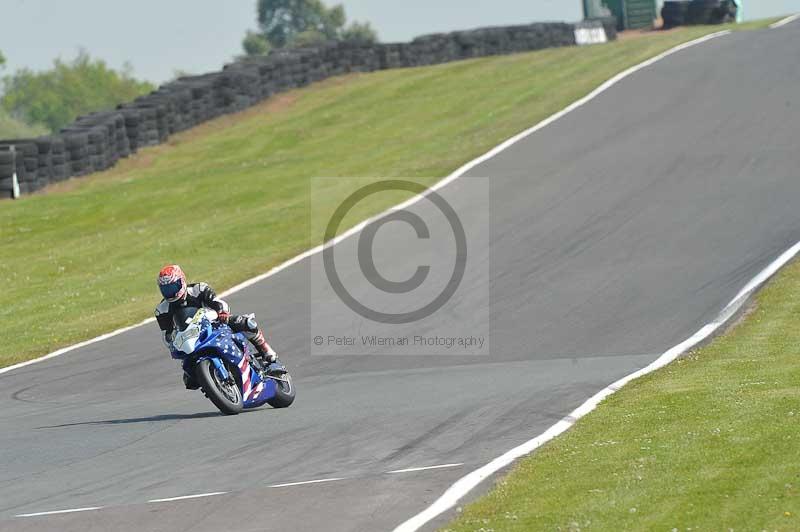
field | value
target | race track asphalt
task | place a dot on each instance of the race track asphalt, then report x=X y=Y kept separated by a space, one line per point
x=595 y=244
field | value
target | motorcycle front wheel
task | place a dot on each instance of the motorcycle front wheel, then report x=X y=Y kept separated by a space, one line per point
x=225 y=395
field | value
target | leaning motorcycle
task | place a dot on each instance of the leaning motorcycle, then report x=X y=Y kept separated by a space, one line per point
x=224 y=366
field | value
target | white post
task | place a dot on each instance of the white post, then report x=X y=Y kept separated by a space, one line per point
x=14 y=180
x=739 y=11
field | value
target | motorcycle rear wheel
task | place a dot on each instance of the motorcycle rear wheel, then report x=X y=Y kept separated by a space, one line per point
x=284 y=392
x=227 y=397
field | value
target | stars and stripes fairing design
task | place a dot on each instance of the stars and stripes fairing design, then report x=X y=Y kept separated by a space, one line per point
x=217 y=341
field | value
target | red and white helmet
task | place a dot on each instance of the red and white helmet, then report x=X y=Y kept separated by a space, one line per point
x=172 y=283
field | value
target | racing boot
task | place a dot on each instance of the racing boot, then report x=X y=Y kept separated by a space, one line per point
x=267 y=355
x=264 y=353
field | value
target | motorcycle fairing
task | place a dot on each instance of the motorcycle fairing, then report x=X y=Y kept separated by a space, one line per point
x=217 y=343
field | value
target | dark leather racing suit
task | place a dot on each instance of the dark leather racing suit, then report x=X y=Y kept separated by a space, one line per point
x=200 y=295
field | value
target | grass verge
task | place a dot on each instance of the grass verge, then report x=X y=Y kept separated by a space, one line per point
x=709 y=442
x=230 y=199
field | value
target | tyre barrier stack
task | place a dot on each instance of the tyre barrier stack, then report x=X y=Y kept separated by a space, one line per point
x=690 y=12
x=95 y=142
x=6 y=170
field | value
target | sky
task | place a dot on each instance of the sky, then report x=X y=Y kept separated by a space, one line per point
x=160 y=37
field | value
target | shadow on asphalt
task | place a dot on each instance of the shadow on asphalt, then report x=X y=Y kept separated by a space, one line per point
x=151 y=419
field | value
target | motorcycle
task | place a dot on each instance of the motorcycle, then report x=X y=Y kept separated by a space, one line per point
x=224 y=366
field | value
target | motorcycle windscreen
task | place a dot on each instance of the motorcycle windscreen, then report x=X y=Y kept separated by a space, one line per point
x=182 y=316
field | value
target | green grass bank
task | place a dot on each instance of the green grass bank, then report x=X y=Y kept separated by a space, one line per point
x=710 y=442
x=81 y=259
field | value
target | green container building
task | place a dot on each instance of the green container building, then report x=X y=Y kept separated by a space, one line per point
x=630 y=14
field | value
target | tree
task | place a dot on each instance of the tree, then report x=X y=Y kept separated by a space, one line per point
x=285 y=23
x=360 y=32
x=307 y=38
x=56 y=97
x=2 y=60
x=255 y=44
x=281 y=20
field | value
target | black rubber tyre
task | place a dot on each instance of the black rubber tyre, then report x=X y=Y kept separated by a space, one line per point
x=284 y=393
x=228 y=400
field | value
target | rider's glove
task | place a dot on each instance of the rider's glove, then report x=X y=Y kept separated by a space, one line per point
x=169 y=336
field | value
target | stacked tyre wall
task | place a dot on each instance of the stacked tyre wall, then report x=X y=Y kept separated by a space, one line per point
x=95 y=142
x=691 y=12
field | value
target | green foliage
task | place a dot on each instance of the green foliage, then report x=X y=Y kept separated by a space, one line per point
x=285 y=23
x=281 y=20
x=255 y=44
x=11 y=128
x=307 y=38
x=360 y=32
x=55 y=97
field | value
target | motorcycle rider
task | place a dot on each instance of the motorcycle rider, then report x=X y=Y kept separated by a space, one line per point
x=178 y=293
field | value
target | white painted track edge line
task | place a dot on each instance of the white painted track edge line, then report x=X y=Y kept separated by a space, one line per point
x=56 y=512
x=424 y=468
x=440 y=184
x=465 y=484
x=73 y=347
x=304 y=482
x=783 y=22
x=187 y=497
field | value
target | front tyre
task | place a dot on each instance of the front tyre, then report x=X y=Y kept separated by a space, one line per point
x=225 y=395
x=284 y=392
